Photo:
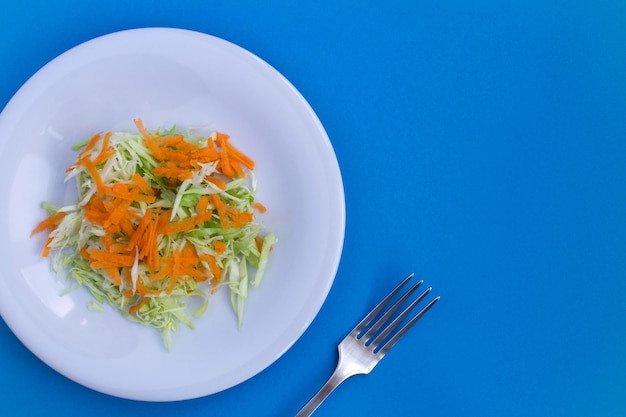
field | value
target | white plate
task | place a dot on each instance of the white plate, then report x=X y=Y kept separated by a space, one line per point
x=167 y=76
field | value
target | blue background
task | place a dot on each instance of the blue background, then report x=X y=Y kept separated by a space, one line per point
x=482 y=145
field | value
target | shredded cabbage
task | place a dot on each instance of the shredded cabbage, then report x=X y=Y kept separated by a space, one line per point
x=136 y=288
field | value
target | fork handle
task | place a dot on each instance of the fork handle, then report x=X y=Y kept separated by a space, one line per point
x=335 y=379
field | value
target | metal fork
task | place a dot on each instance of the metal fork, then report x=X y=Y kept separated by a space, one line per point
x=362 y=349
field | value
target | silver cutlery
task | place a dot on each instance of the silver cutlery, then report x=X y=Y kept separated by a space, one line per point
x=362 y=349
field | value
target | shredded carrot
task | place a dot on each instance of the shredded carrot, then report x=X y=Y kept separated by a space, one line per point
x=143 y=246
x=223 y=142
x=259 y=207
x=170 y=140
x=179 y=226
x=143 y=290
x=115 y=247
x=154 y=148
x=166 y=270
x=142 y=184
x=186 y=147
x=220 y=183
x=173 y=279
x=225 y=165
x=114 y=274
x=127 y=278
x=115 y=259
x=175 y=173
x=221 y=139
x=106 y=152
x=153 y=249
x=185 y=225
x=203 y=204
x=49 y=223
x=243 y=218
x=239 y=172
x=96 y=217
x=93 y=171
x=106 y=240
x=90 y=145
x=173 y=155
x=120 y=191
x=113 y=229
x=46 y=247
x=204 y=155
x=259 y=242
x=221 y=210
x=127 y=226
x=142 y=129
x=219 y=246
x=139 y=231
x=211 y=147
x=215 y=269
x=135 y=308
x=118 y=213
x=189 y=253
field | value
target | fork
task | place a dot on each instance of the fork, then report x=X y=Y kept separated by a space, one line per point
x=362 y=349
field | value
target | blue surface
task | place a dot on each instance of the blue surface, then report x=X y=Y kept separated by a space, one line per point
x=482 y=145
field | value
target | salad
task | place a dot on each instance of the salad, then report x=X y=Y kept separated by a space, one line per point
x=161 y=218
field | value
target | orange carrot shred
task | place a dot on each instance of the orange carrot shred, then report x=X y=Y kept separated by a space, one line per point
x=114 y=274
x=48 y=223
x=203 y=203
x=46 y=247
x=236 y=154
x=172 y=285
x=127 y=227
x=259 y=207
x=259 y=242
x=237 y=169
x=179 y=226
x=112 y=258
x=142 y=184
x=143 y=290
x=90 y=145
x=139 y=231
x=221 y=184
x=142 y=129
x=134 y=309
x=95 y=175
x=120 y=192
x=106 y=151
x=118 y=213
x=170 y=140
x=221 y=210
x=224 y=162
x=165 y=270
x=153 y=254
x=173 y=155
x=219 y=247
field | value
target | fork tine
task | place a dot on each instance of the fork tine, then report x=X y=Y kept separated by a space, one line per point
x=363 y=323
x=396 y=322
x=391 y=342
x=385 y=317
